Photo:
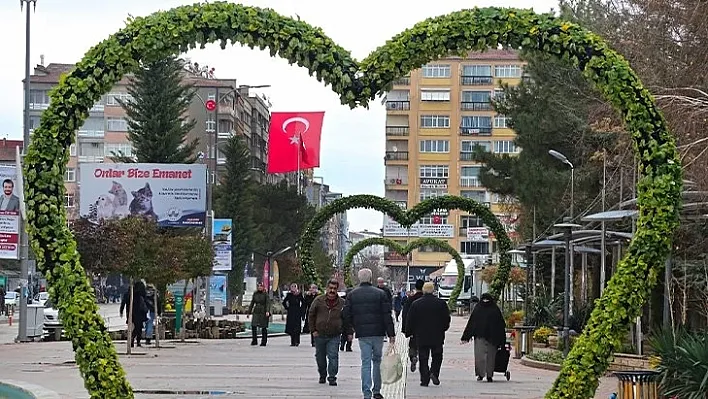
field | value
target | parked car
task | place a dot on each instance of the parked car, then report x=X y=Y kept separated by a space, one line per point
x=41 y=298
x=52 y=323
x=12 y=299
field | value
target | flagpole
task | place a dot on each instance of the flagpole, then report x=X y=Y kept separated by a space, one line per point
x=298 y=163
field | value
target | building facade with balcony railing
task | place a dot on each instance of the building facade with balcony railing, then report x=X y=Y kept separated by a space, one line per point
x=437 y=119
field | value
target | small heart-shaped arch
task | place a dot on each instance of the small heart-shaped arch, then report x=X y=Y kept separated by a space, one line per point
x=406 y=250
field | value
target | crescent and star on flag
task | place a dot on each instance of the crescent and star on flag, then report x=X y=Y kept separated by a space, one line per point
x=295 y=139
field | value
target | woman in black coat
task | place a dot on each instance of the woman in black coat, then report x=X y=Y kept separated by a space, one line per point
x=294 y=304
x=139 y=313
x=487 y=326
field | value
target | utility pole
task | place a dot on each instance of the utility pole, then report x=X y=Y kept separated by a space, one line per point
x=24 y=250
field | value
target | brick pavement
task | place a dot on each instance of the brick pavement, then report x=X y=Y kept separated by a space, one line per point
x=276 y=371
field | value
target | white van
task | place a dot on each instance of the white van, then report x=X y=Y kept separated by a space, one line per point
x=472 y=284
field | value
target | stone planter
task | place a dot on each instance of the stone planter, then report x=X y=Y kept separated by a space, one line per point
x=553 y=341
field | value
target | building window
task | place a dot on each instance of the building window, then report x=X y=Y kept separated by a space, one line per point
x=72 y=150
x=435 y=171
x=39 y=97
x=507 y=71
x=476 y=96
x=499 y=95
x=471 y=220
x=474 y=248
x=434 y=146
x=70 y=175
x=469 y=176
x=479 y=196
x=33 y=122
x=112 y=99
x=477 y=121
x=91 y=150
x=116 y=125
x=501 y=121
x=427 y=193
x=436 y=71
x=433 y=219
x=477 y=70
x=505 y=147
x=69 y=200
x=434 y=95
x=115 y=149
x=428 y=249
x=472 y=145
x=435 y=121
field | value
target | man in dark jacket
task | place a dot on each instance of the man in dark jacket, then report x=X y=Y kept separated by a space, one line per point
x=325 y=321
x=428 y=319
x=412 y=347
x=382 y=284
x=345 y=343
x=368 y=311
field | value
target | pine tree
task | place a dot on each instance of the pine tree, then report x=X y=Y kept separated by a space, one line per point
x=157 y=121
x=233 y=200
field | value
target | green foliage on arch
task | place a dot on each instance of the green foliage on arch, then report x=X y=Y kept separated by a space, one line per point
x=408 y=219
x=177 y=30
x=406 y=250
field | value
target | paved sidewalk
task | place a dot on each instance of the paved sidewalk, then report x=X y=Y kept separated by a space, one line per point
x=236 y=369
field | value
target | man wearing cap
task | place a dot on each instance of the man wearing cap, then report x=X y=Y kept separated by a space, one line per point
x=428 y=319
x=412 y=347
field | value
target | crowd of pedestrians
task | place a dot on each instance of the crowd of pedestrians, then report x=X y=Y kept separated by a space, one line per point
x=366 y=312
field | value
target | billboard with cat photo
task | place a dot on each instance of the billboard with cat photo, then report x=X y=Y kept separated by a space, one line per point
x=171 y=194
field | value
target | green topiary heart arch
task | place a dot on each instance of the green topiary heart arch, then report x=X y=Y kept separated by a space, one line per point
x=405 y=250
x=182 y=28
x=407 y=219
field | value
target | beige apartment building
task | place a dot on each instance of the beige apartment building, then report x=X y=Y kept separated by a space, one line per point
x=105 y=130
x=434 y=120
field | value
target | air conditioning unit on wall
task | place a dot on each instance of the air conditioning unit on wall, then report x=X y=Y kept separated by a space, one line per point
x=392 y=181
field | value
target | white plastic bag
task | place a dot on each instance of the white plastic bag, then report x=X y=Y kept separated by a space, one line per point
x=391 y=366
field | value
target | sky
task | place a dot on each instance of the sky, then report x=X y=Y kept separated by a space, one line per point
x=353 y=141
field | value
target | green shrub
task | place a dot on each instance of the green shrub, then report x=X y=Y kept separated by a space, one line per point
x=515 y=317
x=541 y=334
x=682 y=362
x=555 y=357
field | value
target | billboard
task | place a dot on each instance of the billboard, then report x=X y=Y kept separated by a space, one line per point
x=221 y=240
x=9 y=214
x=217 y=289
x=172 y=194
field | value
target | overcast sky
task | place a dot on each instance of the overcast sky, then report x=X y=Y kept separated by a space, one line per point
x=352 y=141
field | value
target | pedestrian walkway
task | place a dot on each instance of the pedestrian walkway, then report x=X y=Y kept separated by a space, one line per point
x=236 y=369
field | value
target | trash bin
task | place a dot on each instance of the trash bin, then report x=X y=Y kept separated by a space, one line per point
x=523 y=340
x=638 y=384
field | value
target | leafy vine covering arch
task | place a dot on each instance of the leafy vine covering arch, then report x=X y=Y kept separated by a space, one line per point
x=405 y=250
x=177 y=30
x=407 y=219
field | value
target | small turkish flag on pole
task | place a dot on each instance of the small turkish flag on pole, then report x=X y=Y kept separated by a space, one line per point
x=294 y=141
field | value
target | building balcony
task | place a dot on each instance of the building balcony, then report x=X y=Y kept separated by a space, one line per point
x=396 y=156
x=476 y=131
x=476 y=80
x=225 y=135
x=39 y=106
x=398 y=105
x=97 y=108
x=404 y=81
x=221 y=161
x=96 y=134
x=397 y=131
x=475 y=106
x=395 y=183
x=92 y=158
x=470 y=182
x=467 y=156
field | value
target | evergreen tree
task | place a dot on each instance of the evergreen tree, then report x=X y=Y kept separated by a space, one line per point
x=157 y=121
x=233 y=200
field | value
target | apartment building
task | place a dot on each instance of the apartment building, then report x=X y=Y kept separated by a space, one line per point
x=104 y=132
x=8 y=151
x=334 y=234
x=435 y=118
x=374 y=252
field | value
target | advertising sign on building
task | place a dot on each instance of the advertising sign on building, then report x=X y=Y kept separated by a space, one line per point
x=217 y=289
x=9 y=214
x=172 y=194
x=433 y=183
x=391 y=228
x=222 y=242
x=436 y=230
x=510 y=223
x=478 y=234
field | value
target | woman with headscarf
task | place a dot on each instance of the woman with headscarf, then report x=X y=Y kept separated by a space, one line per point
x=294 y=304
x=138 y=314
x=260 y=308
x=487 y=326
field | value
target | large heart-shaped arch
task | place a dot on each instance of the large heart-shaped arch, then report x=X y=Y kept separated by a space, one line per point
x=405 y=250
x=182 y=28
x=407 y=219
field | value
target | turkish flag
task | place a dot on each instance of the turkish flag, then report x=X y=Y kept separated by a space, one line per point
x=294 y=141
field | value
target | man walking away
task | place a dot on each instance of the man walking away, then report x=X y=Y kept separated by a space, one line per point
x=152 y=299
x=428 y=319
x=382 y=285
x=487 y=326
x=412 y=346
x=325 y=321
x=344 y=342
x=368 y=311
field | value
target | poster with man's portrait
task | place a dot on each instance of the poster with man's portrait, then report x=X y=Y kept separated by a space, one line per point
x=9 y=214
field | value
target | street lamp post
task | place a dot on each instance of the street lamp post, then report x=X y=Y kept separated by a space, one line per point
x=557 y=155
x=567 y=230
x=24 y=250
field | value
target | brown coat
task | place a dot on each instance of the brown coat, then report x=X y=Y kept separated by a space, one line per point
x=326 y=321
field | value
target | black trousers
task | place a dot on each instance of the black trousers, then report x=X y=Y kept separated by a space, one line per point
x=295 y=338
x=137 y=333
x=434 y=352
x=344 y=342
x=254 y=335
x=412 y=349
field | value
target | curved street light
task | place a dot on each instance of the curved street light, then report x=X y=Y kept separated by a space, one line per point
x=557 y=155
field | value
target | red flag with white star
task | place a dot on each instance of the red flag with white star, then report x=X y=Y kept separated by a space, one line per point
x=294 y=141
